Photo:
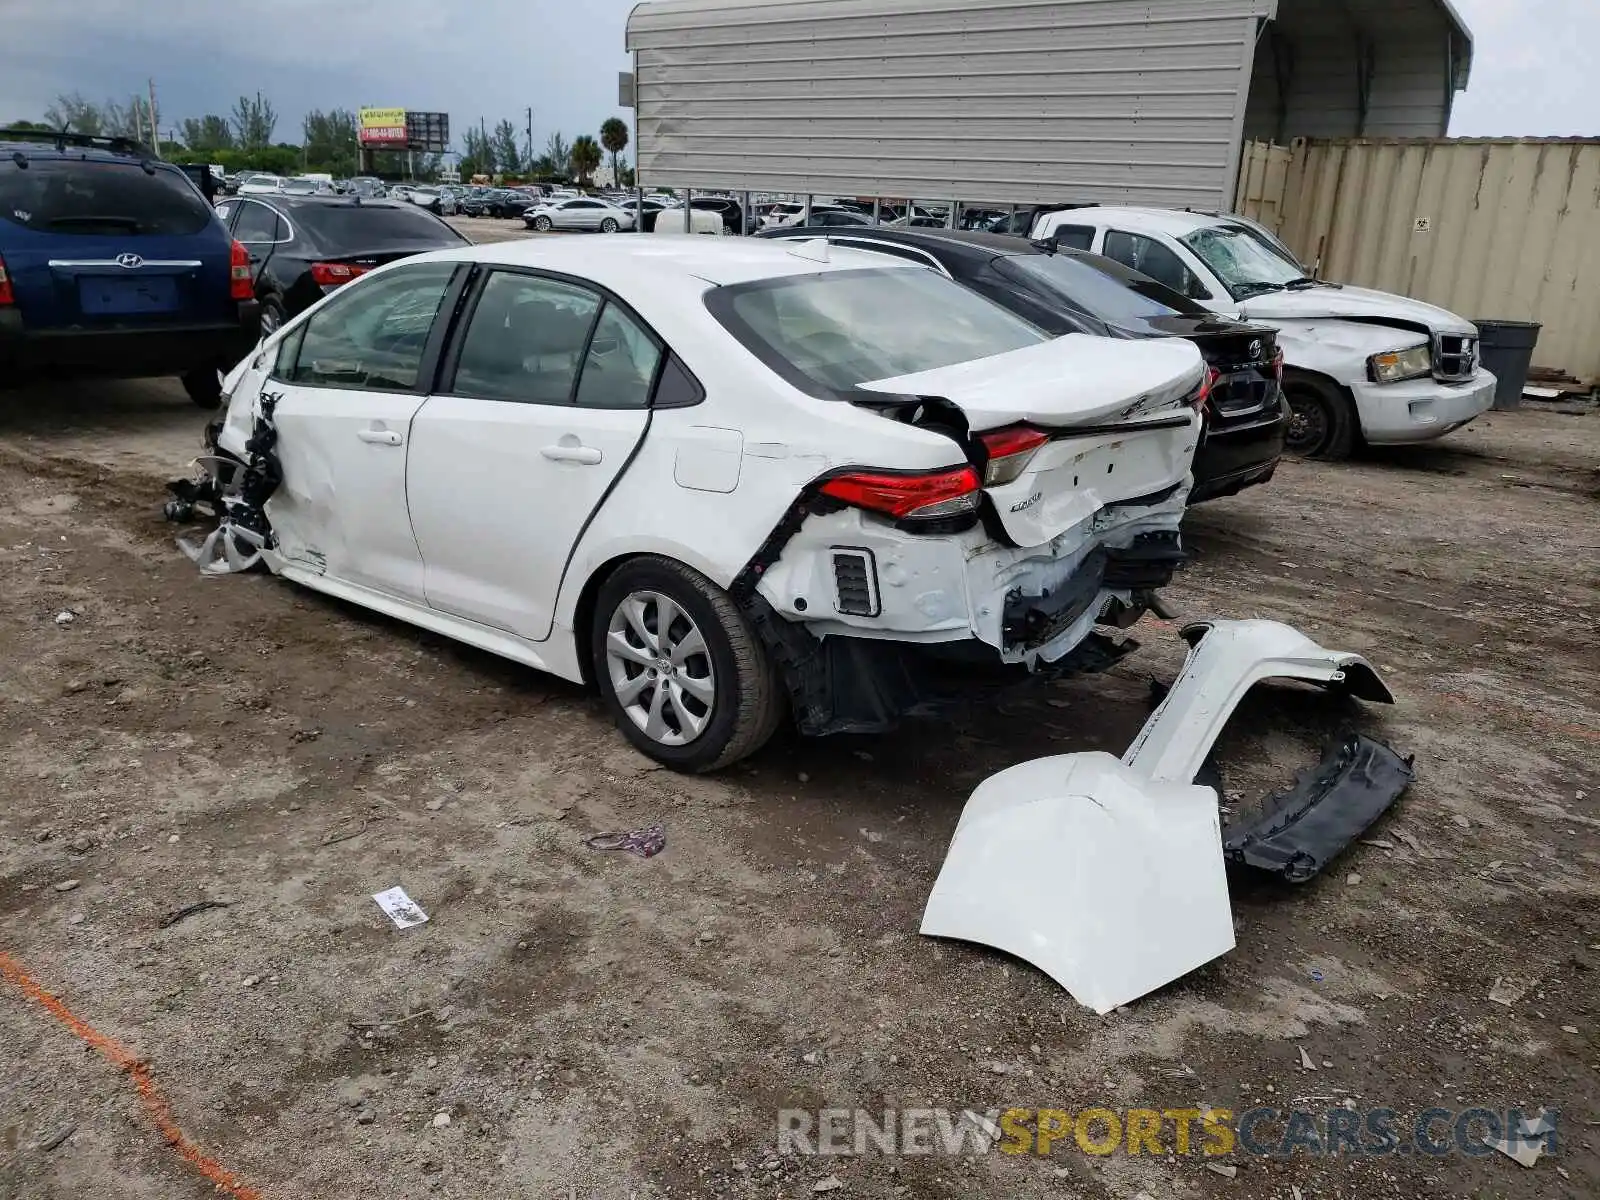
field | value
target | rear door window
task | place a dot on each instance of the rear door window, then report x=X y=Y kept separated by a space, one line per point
x=257 y=223
x=1074 y=237
x=81 y=196
x=527 y=339
x=1150 y=257
x=621 y=363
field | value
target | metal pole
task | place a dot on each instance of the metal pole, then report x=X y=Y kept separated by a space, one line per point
x=688 y=210
x=805 y=214
x=877 y=205
x=744 y=214
x=1011 y=220
x=950 y=221
x=638 y=204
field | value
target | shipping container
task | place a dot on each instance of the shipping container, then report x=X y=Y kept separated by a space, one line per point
x=1493 y=229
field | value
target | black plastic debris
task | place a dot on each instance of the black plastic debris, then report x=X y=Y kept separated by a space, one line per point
x=1304 y=829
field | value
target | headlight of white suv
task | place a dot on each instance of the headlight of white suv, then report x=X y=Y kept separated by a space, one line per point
x=1395 y=365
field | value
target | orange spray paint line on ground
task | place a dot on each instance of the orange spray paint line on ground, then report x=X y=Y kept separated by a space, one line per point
x=144 y=1083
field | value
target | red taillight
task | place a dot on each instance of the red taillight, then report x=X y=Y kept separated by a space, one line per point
x=1201 y=398
x=240 y=285
x=7 y=296
x=334 y=274
x=1010 y=451
x=951 y=493
x=1277 y=366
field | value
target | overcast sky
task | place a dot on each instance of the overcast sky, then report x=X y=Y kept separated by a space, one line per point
x=1535 y=72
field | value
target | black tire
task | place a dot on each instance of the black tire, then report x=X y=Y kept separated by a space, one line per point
x=204 y=385
x=749 y=698
x=272 y=316
x=1322 y=419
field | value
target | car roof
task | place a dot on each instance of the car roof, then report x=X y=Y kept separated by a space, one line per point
x=1174 y=222
x=312 y=203
x=977 y=246
x=619 y=261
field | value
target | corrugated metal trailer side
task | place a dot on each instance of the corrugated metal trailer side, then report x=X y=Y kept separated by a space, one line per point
x=1489 y=228
x=1012 y=101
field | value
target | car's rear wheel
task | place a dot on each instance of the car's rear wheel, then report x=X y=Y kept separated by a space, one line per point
x=1322 y=421
x=542 y=224
x=609 y=225
x=204 y=386
x=683 y=672
x=271 y=317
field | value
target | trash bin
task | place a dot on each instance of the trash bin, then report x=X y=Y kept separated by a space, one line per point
x=1506 y=348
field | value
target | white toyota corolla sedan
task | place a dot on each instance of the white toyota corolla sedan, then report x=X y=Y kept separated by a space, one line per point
x=724 y=481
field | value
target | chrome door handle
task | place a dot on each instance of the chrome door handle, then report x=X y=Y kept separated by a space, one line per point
x=587 y=455
x=380 y=437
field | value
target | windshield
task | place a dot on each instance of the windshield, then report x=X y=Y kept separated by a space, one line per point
x=81 y=196
x=1246 y=264
x=827 y=332
x=1120 y=298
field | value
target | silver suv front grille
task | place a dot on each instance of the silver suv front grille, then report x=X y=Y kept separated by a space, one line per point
x=1455 y=356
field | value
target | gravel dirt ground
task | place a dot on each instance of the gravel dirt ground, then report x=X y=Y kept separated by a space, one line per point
x=597 y=1025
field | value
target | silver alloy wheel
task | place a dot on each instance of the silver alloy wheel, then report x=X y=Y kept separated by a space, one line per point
x=542 y=224
x=660 y=668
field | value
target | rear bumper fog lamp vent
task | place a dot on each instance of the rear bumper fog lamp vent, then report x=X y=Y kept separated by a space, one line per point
x=855 y=581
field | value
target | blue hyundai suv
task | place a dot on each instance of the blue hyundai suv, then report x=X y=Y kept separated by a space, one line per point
x=113 y=265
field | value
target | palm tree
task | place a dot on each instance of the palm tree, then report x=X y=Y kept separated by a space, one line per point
x=614 y=137
x=585 y=157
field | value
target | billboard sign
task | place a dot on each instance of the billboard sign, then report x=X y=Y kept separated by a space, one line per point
x=383 y=127
x=427 y=131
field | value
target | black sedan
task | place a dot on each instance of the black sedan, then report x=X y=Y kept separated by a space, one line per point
x=302 y=247
x=1068 y=291
x=494 y=202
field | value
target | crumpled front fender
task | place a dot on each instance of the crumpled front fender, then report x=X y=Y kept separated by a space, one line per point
x=1108 y=874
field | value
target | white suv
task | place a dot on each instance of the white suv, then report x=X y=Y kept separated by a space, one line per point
x=1359 y=364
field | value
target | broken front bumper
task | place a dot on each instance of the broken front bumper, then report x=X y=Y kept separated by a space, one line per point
x=1110 y=875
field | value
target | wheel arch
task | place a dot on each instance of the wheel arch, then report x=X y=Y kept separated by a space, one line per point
x=581 y=618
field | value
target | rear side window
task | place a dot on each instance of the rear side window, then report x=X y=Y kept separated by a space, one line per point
x=351 y=228
x=827 y=332
x=77 y=196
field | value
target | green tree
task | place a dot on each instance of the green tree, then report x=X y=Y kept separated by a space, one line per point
x=254 y=122
x=330 y=141
x=26 y=125
x=477 y=153
x=75 y=113
x=585 y=157
x=507 y=155
x=614 y=137
x=559 y=153
x=130 y=122
x=209 y=132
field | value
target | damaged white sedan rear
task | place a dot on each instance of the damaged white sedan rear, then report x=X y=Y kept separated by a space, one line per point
x=723 y=481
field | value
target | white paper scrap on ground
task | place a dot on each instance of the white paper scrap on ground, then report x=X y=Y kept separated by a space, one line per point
x=402 y=909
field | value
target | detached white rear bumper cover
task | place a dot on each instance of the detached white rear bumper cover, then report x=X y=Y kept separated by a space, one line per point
x=1108 y=874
